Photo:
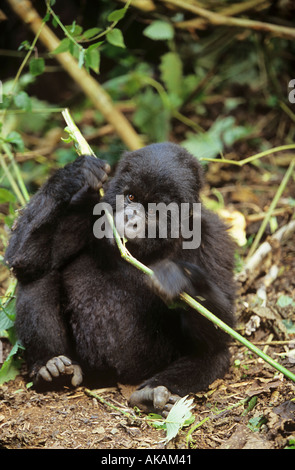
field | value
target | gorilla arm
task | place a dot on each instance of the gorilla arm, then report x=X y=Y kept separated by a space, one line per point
x=205 y=352
x=55 y=224
x=54 y=227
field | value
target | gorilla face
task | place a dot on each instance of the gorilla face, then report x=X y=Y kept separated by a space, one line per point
x=152 y=195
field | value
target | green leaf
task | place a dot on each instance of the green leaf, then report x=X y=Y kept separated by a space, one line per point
x=22 y=101
x=203 y=145
x=64 y=46
x=74 y=29
x=6 y=196
x=115 y=37
x=117 y=15
x=290 y=326
x=89 y=33
x=9 y=370
x=171 y=72
x=151 y=116
x=255 y=423
x=92 y=58
x=157 y=421
x=284 y=301
x=159 y=31
x=15 y=138
x=209 y=144
x=81 y=57
x=179 y=416
x=37 y=66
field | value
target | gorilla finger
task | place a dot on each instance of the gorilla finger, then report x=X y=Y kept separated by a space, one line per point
x=107 y=167
x=142 y=398
x=165 y=413
x=69 y=370
x=77 y=375
x=65 y=360
x=161 y=397
x=92 y=180
x=59 y=364
x=99 y=169
x=173 y=399
x=52 y=368
x=44 y=374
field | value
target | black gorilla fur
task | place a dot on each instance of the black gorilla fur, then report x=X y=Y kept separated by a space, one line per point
x=81 y=307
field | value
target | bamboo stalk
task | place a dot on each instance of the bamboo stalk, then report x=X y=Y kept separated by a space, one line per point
x=98 y=96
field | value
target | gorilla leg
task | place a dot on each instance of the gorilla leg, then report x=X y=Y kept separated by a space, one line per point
x=41 y=329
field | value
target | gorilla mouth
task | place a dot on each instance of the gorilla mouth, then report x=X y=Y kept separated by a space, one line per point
x=134 y=222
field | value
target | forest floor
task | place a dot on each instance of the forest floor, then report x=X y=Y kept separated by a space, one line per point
x=71 y=419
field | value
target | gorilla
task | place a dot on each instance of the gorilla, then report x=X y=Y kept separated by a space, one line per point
x=84 y=313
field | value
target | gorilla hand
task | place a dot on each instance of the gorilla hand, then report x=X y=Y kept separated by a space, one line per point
x=56 y=368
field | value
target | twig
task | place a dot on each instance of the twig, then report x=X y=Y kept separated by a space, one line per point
x=105 y=402
x=218 y=19
x=192 y=302
x=252 y=158
x=98 y=96
x=231 y=10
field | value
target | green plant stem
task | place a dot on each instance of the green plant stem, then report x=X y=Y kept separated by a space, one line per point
x=271 y=209
x=105 y=402
x=252 y=158
x=17 y=172
x=81 y=144
x=32 y=111
x=11 y=181
x=66 y=32
x=223 y=326
x=109 y=28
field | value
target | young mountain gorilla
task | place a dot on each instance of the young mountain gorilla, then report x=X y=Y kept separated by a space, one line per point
x=81 y=309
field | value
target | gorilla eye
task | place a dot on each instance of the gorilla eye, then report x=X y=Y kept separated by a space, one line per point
x=131 y=197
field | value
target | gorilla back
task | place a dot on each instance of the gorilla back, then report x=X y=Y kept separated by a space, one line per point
x=84 y=312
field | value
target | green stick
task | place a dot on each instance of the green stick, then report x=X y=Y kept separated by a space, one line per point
x=223 y=326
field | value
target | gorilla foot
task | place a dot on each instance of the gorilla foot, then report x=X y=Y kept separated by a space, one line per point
x=153 y=400
x=56 y=368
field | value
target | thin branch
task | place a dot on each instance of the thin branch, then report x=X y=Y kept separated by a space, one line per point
x=219 y=19
x=252 y=158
